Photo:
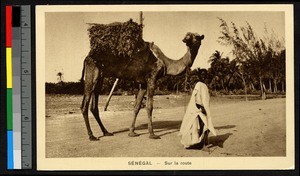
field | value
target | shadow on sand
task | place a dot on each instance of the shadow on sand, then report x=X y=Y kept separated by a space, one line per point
x=158 y=126
x=218 y=140
x=173 y=126
x=225 y=127
x=212 y=142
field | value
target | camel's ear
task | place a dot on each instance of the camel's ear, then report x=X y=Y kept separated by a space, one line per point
x=200 y=37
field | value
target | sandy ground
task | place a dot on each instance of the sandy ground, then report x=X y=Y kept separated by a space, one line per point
x=253 y=128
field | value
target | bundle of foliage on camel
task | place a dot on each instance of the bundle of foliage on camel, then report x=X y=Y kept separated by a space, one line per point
x=145 y=65
x=119 y=39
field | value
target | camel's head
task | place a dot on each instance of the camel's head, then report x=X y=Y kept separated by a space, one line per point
x=193 y=39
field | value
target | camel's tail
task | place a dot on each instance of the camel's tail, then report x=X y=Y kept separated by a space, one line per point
x=82 y=74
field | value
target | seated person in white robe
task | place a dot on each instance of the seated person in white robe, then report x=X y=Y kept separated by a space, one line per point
x=197 y=122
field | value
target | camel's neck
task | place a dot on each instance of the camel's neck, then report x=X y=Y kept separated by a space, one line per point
x=176 y=67
x=189 y=56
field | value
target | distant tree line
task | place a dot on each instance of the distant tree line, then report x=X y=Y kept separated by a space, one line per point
x=257 y=60
x=257 y=67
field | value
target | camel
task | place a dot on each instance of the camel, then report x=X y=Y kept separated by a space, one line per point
x=145 y=67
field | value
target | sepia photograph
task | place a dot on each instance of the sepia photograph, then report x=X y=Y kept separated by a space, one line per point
x=165 y=87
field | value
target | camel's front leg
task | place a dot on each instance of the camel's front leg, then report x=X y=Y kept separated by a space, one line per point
x=149 y=107
x=137 y=107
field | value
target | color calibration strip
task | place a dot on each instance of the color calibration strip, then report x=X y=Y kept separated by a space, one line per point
x=18 y=66
x=9 y=99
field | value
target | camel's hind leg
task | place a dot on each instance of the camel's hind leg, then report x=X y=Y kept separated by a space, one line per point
x=91 y=74
x=94 y=106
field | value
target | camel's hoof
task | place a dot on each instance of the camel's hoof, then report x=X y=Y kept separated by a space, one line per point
x=93 y=138
x=133 y=134
x=108 y=134
x=153 y=136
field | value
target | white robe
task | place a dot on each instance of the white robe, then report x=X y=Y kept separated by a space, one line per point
x=190 y=124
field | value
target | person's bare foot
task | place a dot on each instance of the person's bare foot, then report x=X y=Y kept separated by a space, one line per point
x=206 y=149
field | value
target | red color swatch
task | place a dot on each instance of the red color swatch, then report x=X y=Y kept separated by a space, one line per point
x=8 y=26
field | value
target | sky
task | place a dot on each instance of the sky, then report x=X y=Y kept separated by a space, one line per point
x=67 y=42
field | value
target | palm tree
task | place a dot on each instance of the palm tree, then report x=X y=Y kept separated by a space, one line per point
x=60 y=77
x=215 y=57
x=216 y=70
x=222 y=70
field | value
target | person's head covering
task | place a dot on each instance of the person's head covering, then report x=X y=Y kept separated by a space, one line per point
x=202 y=75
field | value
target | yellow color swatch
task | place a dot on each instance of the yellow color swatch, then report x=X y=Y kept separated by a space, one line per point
x=8 y=68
